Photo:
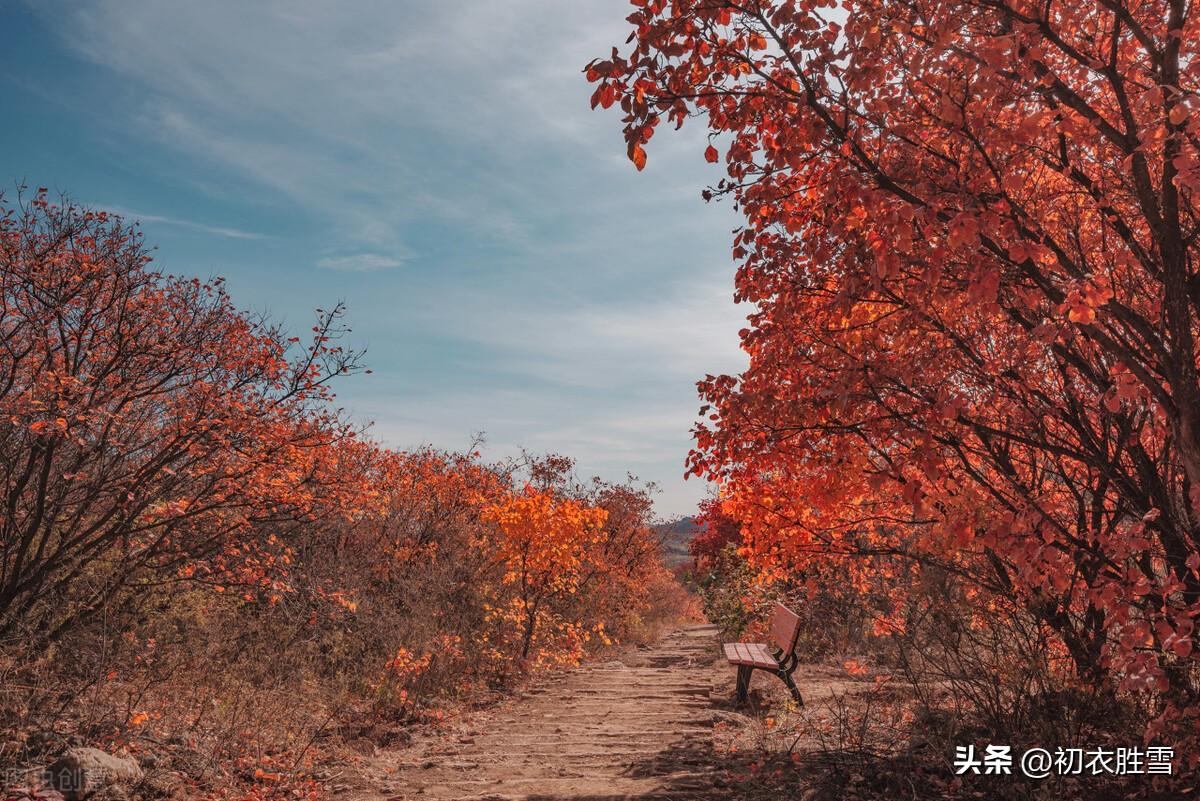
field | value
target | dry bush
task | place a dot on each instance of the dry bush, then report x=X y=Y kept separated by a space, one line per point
x=723 y=583
x=386 y=620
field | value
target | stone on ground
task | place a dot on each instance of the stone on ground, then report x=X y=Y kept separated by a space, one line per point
x=81 y=772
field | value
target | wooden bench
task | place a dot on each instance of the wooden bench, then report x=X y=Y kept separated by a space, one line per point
x=778 y=658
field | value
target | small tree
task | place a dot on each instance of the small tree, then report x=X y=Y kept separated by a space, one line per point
x=543 y=542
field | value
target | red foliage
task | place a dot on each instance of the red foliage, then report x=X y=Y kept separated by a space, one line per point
x=718 y=530
x=188 y=516
x=148 y=429
x=970 y=235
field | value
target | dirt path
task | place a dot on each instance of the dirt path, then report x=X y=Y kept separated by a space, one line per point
x=640 y=727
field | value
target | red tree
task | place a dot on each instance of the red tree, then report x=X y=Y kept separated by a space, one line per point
x=149 y=431
x=970 y=237
x=718 y=530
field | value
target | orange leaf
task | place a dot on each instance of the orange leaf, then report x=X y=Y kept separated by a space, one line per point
x=854 y=668
x=637 y=155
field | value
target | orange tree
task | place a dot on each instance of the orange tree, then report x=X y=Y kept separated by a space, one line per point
x=969 y=236
x=542 y=541
x=624 y=588
x=149 y=431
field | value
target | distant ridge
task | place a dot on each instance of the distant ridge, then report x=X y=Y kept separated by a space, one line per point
x=676 y=537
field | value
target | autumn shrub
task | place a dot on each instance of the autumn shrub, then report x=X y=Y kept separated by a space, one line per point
x=987 y=667
x=150 y=431
x=385 y=618
x=952 y=661
x=837 y=614
x=477 y=574
x=716 y=532
x=466 y=578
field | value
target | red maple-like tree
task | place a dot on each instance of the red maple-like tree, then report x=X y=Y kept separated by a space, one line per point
x=970 y=238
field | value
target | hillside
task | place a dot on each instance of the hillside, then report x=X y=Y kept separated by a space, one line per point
x=676 y=537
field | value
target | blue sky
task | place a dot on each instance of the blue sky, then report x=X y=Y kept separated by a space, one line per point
x=433 y=164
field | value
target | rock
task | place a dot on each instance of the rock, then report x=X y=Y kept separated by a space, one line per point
x=80 y=772
x=164 y=784
x=362 y=746
x=113 y=792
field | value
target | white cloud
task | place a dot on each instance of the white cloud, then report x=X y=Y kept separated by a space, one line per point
x=360 y=262
x=679 y=335
x=215 y=230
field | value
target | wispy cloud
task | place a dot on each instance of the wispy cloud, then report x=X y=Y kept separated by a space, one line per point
x=192 y=225
x=677 y=336
x=360 y=262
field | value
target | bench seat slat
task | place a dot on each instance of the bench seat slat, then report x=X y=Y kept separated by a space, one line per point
x=750 y=653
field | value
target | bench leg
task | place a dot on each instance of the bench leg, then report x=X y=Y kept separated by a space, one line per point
x=743 y=683
x=786 y=675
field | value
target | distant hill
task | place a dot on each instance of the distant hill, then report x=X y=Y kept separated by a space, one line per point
x=676 y=536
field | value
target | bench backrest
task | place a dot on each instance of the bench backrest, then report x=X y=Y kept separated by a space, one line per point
x=785 y=628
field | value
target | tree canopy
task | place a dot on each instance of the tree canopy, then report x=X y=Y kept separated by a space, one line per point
x=969 y=241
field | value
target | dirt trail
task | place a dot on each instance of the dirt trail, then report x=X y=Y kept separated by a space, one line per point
x=637 y=727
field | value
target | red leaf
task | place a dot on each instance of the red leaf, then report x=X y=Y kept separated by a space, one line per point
x=637 y=154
